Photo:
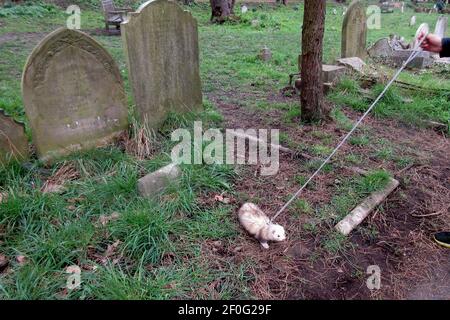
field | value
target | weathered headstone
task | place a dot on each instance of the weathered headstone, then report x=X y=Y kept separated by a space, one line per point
x=381 y=49
x=73 y=94
x=387 y=7
x=423 y=59
x=265 y=54
x=155 y=182
x=13 y=141
x=331 y=73
x=354 y=31
x=441 y=26
x=412 y=22
x=161 y=44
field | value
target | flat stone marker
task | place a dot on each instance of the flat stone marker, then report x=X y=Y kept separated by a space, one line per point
x=441 y=26
x=154 y=183
x=354 y=31
x=161 y=44
x=423 y=60
x=13 y=141
x=331 y=73
x=73 y=94
x=353 y=63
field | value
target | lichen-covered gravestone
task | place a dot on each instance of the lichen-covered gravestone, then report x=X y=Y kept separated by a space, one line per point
x=13 y=141
x=354 y=31
x=73 y=94
x=161 y=45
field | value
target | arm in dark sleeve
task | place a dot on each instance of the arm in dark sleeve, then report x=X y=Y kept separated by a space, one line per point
x=445 y=47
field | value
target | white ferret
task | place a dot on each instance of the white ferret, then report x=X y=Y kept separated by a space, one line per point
x=255 y=221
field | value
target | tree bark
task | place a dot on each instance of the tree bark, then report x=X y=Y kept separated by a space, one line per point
x=312 y=104
x=221 y=10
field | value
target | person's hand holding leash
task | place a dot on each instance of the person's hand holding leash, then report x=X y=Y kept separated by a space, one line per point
x=436 y=44
x=432 y=43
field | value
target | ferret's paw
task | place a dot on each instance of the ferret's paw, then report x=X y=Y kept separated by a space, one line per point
x=265 y=245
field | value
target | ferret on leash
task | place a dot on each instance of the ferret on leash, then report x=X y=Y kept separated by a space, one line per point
x=258 y=224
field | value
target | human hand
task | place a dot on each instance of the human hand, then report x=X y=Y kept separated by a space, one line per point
x=432 y=43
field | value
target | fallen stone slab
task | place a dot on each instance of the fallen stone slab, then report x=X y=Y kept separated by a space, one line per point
x=357 y=215
x=423 y=60
x=331 y=73
x=354 y=63
x=154 y=183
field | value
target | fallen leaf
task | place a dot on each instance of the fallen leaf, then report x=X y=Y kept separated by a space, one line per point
x=73 y=269
x=220 y=198
x=50 y=187
x=217 y=244
x=237 y=249
x=21 y=260
x=76 y=200
x=112 y=248
x=104 y=220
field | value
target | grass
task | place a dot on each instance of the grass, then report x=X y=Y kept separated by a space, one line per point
x=159 y=242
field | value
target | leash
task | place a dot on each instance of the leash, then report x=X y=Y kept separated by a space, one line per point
x=413 y=55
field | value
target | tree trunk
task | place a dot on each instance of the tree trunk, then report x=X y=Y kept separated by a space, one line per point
x=312 y=104
x=221 y=10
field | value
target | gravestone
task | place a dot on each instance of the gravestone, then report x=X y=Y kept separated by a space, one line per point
x=441 y=26
x=412 y=22
x=265 y=54
x=13 y=141
x=354 y=31
x=156 y=182
x=421 y=61
x=161 y=45
x=331 y=73
x=73 y=95
x=381 y=49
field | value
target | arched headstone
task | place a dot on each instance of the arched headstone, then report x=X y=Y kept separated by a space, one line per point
x=354 y=31
x=13 y=141
x=73 y=94
x=441 y=26
x=161 y=45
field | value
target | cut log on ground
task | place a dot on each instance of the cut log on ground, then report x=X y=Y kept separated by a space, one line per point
x=354 y=218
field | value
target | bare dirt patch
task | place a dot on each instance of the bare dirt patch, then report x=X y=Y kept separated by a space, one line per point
x=412 y=265
x=22 y=39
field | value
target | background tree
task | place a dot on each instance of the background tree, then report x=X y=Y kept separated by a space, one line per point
x=312 y=103
x=221 y=10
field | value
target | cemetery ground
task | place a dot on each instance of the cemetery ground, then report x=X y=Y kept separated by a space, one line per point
x=187 y=243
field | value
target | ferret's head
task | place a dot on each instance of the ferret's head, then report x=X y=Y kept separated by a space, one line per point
x=276 y=233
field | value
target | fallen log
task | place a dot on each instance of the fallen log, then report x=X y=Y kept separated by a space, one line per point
x=357 y=215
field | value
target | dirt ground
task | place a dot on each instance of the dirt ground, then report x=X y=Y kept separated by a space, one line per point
x=412 y=265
